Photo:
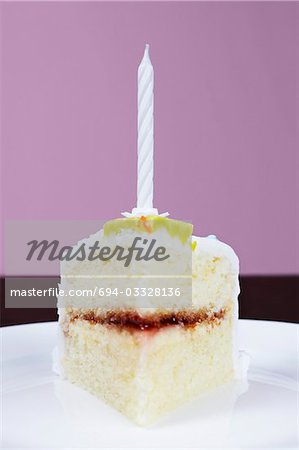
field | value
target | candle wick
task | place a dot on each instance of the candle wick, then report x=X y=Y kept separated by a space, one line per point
x=146 y=52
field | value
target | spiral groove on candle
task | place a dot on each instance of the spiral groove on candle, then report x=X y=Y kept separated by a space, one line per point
x=145 y=133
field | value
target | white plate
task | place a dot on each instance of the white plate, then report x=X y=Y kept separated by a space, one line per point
x=40 y=410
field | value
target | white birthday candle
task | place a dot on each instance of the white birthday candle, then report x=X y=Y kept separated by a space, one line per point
x=145 y=132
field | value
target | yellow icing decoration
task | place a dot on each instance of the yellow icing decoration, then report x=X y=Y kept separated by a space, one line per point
x=150 y=224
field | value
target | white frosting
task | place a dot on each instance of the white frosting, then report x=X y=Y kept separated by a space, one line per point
x=138 y=212
x=218 y=248
x=59 y=349
x=211 y=245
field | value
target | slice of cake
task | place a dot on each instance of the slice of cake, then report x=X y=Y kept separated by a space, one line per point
x=141 y=351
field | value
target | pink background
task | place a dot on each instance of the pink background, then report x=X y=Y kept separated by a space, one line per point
x=225 y=117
